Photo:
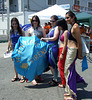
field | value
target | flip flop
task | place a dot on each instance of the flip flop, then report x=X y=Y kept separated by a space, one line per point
x=22 y=80
x=39 y=78
x=15 y=79
x=53 y=83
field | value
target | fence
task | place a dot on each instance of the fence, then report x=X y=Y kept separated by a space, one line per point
x=3 y=35
x=3 y=31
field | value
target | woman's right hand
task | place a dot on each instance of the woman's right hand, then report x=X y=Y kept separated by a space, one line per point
x=61 y=57
x=7 y=51
x=79 y=57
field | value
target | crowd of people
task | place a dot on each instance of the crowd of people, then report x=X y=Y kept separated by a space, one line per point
x=47 y=27
x=62 y=56
x=85 y=30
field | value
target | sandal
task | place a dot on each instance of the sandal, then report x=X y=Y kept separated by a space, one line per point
x=53 y=83
x=61 y=85
x=22 y=80
x=68 y=97
x=15 y=79
x=39 y=78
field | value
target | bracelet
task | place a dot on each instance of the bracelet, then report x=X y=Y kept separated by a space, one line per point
x=62 y=53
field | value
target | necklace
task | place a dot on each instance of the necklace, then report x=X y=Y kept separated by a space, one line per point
x=15 y=32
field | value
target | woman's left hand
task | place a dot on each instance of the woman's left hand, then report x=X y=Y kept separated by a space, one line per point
x=42 y=39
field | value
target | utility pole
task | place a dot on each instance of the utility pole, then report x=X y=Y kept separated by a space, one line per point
x=8 y=19
x=3 y=5
x=24 y=10
x=2 y=9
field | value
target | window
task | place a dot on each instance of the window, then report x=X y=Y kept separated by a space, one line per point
x=51 y=2
x=89 y=6
x=11 y=2
x=76 y=2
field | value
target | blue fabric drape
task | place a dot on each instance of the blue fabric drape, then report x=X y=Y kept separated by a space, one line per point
x=84 y=63
x=30 y=56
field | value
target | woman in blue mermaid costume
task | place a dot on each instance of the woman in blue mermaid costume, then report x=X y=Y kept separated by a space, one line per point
x=52 y=39
x=15 y=33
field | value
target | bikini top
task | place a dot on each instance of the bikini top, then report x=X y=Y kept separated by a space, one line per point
x=62 y=37
x=71 y=37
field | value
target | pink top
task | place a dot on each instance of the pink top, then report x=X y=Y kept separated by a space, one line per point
x=62 y=37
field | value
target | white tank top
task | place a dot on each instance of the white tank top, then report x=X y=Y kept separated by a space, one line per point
x=36 y=31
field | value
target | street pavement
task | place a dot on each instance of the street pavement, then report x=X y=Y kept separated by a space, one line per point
x=27 y=91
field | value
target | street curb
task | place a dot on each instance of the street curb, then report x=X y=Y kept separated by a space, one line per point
x=2 y=41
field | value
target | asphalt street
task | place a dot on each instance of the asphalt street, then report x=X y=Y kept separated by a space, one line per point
x=27 y=91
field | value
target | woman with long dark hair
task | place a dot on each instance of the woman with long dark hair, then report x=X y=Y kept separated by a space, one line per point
x=38 y=31
x=74 y=52
x=62 y=25
x=15 y=32
x=36 y=28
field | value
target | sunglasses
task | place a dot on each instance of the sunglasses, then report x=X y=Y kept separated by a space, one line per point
x=67 y=18
x=52 y=21
x=34 y=21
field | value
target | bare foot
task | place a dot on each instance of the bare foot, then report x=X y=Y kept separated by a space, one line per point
x=66 y=94
x=34 y=82
x=68 y=98
x=61 y=85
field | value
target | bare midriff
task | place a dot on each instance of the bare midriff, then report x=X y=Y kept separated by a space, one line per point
x=72 y=44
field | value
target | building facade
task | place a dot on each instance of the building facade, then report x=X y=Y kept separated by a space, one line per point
x=22 y=8
x=37 y=5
